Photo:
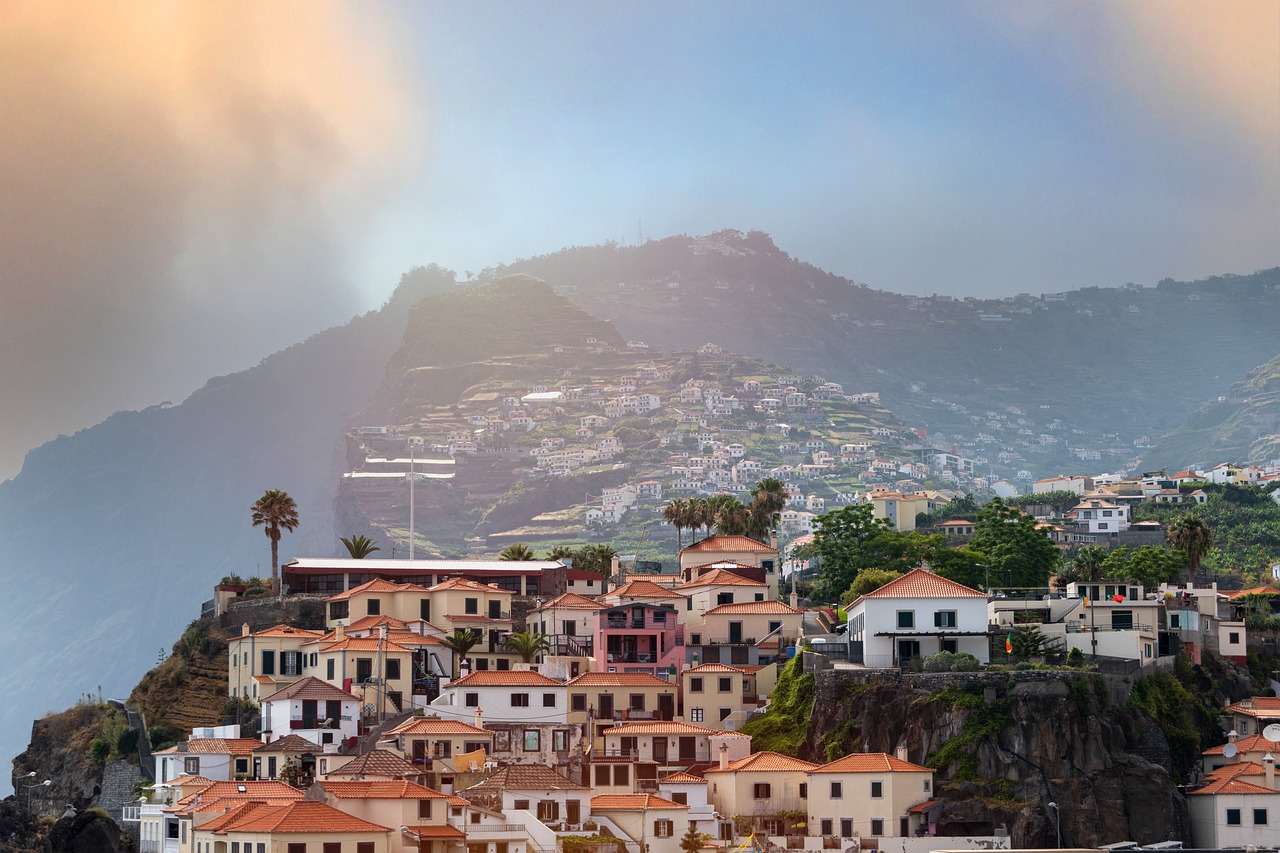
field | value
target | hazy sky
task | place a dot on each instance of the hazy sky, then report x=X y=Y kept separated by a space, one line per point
x=188 y=186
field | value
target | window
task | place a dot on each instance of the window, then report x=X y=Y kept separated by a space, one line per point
x=578 y=702
x=364 y=670
x=602 y=775
x=695 y=639
x=235 y=847
x=663 y=828
x=660 y=617
x=696 y=715
x=637 y=701
x=291 y=663
x=519 y=700
x=329 y=669
x=424 y=609
x=621 y=774
x=944 y=619
x=361 y=847
x=1259 y=817
x=1122 y=620
x=906 y=618
x=532 y=740
x=295 y=847
x=548 y=810
x=333 y=847
x=1233 y=817
x=724 y=598
x=191 y=765
x=761 y=790
x=393 y=669
x=271 y=767
x=726 y=685
x=725 y=713
x=471 y=606
x=837 y=790
x=695 y=685
x=560 y=740
x=548 y=700
x=495 y=609
x=680 y=797
x=825 y=826
x=522 y=805
x=268 y=662
x=471 y=700
x=482 y=663
x=804 y=790
x=339 y=610
x=1233 y=637
x=877 y=790
x=1102 y=525
x=375 y=607
x=927 y=786
x=877 y=826
x=846 y=827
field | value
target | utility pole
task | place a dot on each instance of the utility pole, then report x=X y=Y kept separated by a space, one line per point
x=412 y=477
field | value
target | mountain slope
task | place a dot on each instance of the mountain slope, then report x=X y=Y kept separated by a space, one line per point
x=1242 y=427
x=110 y=537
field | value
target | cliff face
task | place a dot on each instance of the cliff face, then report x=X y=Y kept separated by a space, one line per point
x=1005 y=744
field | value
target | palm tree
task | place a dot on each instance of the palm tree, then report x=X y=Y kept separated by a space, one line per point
x=767 y=502
x=461 y=641
x=596 y=558
x=561 y=552
x=517 y=551
x=359 y=547
x=527 y=644
x=732 y=518
x=275 y=511
x=1190 y=535
x=1084 y=566
x=675 y=512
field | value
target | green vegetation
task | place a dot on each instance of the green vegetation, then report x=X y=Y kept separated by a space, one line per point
x=275 y=511
x=951 y=662
x=984 y=721
x=1245 y=526
x=359 y=547
x=1174 y=702
x=784 y=726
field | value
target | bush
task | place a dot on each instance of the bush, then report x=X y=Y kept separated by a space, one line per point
x=127 y=743
x=100 y=750
x=965 y=662
x=951 y=662
x=1023 y=665
x=1075 y=658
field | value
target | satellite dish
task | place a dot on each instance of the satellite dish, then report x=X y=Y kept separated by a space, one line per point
x=1229 y=751
x=1272 y=732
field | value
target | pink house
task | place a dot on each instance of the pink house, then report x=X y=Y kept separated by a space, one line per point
x=639 y=637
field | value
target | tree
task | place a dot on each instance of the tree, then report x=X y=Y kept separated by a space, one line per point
x=595 y=558
x=962 y=565
x=275 y=511
x=1086 y=564
x=461 y=641
x=517 y=551
x=359 y=547
x=1019 y=555
x=868 y=580
x=767 y=502
x=560 y=552
x=676 y=513
x=527 y=644
x=1190 y=535
x=692 y=840
x=1149 y=565
x=841 y=540
x=1028 y=641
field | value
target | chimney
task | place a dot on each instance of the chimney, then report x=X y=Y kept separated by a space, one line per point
x=901 y=752
x=479 y=720
x=1269 y=768
x=1232 y=736
x=795 y=598
x=339 y=632
x=724 y=756
x=244 y=630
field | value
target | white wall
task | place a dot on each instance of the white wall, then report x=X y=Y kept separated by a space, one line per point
x=881 y=614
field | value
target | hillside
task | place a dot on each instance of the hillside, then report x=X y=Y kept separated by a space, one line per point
x=521 y=424
x=1243 y=426
x=119 y=531
x=1096 y=370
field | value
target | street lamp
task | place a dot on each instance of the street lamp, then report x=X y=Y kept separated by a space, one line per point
x=1057 y=823
x=31 y=785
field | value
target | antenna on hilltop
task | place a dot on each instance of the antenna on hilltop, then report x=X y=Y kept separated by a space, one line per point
x=639 y=232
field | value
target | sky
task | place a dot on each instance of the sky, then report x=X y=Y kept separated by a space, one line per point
x=190 y=186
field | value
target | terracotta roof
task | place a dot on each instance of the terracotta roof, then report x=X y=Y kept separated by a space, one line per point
x=377 y=762
x=363 y=644
x=410 y=639
x=528 y=777
x=469 y=586
x=304 y=816
x=437 y=726
x=618 y=679
x=658 y=727
x=921 y=583
x=957 y=522
x=871 y=762
x=1243 y=768
x=730 y=543
x=571 y=601
x=365 y=623
x=264 y=679
x=185 y=780
x=1257 y=706
x=376 y=585
x=310 y=688
x=381 y=789
x=1252 y=743
x=421 y=833
x=289 y=743
x=283 y=630
x=768 y=607
x=1233 y=785
x=766 y=761
x=682 y=778
x=921 y=808
x=632 y=803
x=505 y=678
x=262 y=789
x=721 y=577
x=213 y=746
x=715 y=667
x=1257 y=590
x=643 y=589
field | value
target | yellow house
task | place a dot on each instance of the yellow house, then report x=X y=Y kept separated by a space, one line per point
x=601 y=698
x=714 y=587
x=260 y=663
x=399 y=803
x=568 y=622
x=760 y=786
x=715 y=693
x=403 y=601
x=746 y=552
x=424 y=740
x=375 y=670
x=901 y=509
x=461 y=604
x=766 y=626
x=301 y=827
x=867 y=795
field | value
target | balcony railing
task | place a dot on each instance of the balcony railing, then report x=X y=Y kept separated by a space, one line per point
x=493 y=828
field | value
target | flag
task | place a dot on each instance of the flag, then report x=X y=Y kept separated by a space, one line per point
x=1008 y=643
x=1117 y=598
x=1086 y=601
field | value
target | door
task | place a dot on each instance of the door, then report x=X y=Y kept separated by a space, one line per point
x=688 y=749
x=572 y=812
x=908 y=649
x=666 y=707
x=660 y=750
x=735 y=632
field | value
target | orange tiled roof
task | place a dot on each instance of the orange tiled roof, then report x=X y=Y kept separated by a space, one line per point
x=730 y=543
x=377 y=762
x=658 y=727
x=721 y=577
x=304 y=816
x=766 y=761
x=262 y=789
x=214 y=746
x=310 y=688
x=425 y=833
x=682 y=778
x=643 y=589
x=1252 y=743
x=871 y=762
x=921 y=583
x=363 y=644
x=921 y=808
x=469 y=586
x=618 y=679
x=767 y=607
x=184 y=780
x=528 y=777
x=1233 y=785
x=375 y=586
x=381 y=789
x=1257 y=706
x=632 y=803
x=1257 y=590
x=1243 y=768
x=716 y=667
x=283 y=630
x=365 y=623
x=437 y=726
x=505 y=678
x=572 y=601
x=409 y=639
x=289 y=743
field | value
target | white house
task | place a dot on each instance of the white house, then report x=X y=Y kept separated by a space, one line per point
x=914 y=616
x=313 y=709
x=1236 y=807
x=502 y=696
